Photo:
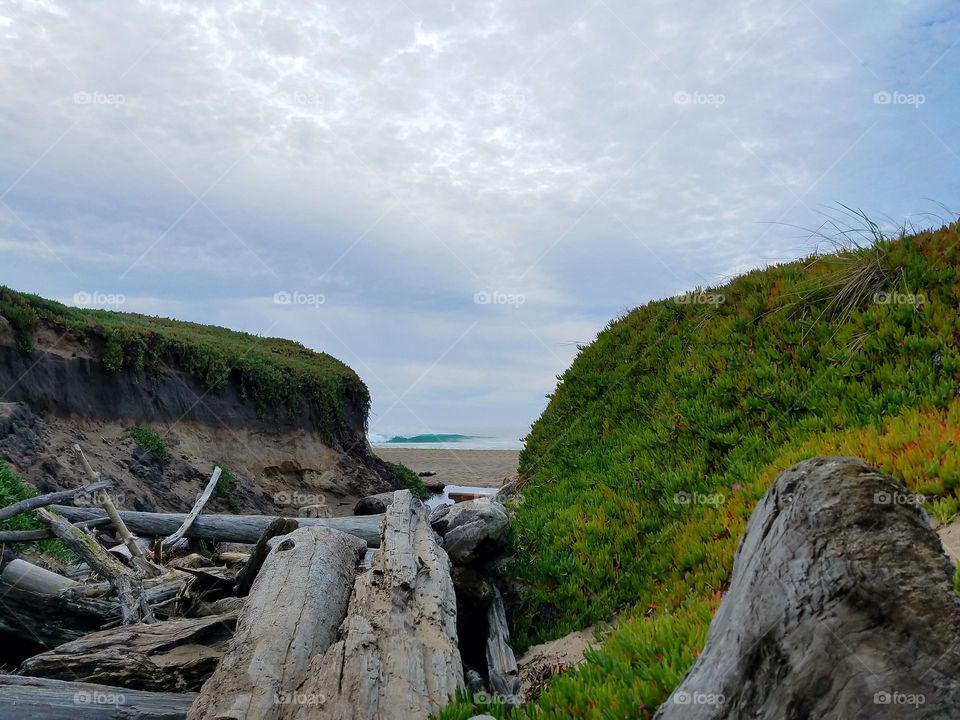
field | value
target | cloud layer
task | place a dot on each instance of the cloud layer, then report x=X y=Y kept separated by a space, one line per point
x=471 y=188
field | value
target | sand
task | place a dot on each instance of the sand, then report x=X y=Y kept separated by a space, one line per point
x=482 y=468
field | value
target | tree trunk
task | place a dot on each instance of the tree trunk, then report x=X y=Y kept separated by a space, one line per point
x=398 y=655
x=296 y=603
x=174 y=655
x=225 y=528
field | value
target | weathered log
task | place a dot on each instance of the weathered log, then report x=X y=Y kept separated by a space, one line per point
x=501 y=662
x=27 y=698
x=24 y=536
x=280 y=526
x=227 y=528
x=397 y=656
x=128 y=587
x=27 y=576
x=292 y=613
x=174 y=655
x=51 y=620
x=49 y=499
x=194 y=511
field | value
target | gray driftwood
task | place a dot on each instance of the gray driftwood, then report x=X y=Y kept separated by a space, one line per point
x=28 y=698
x=397 y=656
x=225 y=528
x=27 y=576
x=52 y=620
x=129 y=587
x=174 y=655
x=49 y=499
x=501 y=662
x=248 y=573
x=197 y=508
x=297 y=601
x=841 y=605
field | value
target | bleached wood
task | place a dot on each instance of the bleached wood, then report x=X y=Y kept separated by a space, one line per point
x=194 y=511
x=397 y=656
x=292 y=613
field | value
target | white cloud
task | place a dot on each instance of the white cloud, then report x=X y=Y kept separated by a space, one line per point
x=402 y=158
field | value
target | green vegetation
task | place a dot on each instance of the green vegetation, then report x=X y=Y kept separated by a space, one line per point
x=411 y=481
x=225 y=486
x=277 y=375
x=12 y=490
x=148 y=440
x=712 y=395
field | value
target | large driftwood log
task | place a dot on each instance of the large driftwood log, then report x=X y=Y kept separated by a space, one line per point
x=292 y=613
x=129 y=588
x=175 y=655
x=398 y=655
x=226 y=528
x=27 y=698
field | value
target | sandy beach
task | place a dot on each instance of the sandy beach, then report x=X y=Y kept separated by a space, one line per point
x=483 y=468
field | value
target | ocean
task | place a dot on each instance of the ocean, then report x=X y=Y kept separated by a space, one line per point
x=444 y=441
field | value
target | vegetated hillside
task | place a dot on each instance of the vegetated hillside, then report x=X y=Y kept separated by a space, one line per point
x=665 y=432
x=273 y=373
x=156 y=403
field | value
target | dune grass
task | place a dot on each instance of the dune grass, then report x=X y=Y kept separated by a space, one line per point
x=640 y=476
x=12 y=490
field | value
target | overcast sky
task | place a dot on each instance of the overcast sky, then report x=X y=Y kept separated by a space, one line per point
x=452 y=195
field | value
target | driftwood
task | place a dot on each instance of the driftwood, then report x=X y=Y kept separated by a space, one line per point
x=398 y=655
x=501 y=662
x=174 y=655
x=129 y=588
x=27 y=698
x=226 y=528
x=292 y=613
x=49 y=499
x=23 y=536
x=194 y=511
x=51 y=620
x=27 y=576
x=106 y=502
x=280 y=526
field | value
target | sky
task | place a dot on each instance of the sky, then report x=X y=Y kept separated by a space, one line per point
x=451 y=196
